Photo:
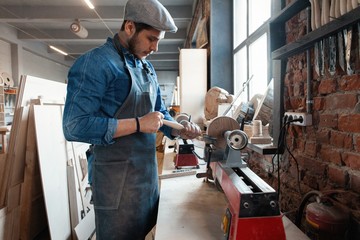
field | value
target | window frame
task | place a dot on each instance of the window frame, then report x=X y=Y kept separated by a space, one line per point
x=258 y=33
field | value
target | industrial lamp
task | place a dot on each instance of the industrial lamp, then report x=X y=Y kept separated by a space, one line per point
x=78 y=29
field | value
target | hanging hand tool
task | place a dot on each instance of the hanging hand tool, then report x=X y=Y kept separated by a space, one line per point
x=358 y=25
x=325 y=19
x=341 y=50
x=332 y=42
x=348 y=50
x=354 y=3
x=315 y=23
x=332 y=55
x=348 y=40
x=340 y=9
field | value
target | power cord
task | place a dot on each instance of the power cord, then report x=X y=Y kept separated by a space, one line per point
x=282 y=145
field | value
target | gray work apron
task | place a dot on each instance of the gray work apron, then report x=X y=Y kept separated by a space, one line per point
x=125 y=181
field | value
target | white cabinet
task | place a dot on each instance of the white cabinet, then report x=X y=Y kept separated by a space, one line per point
x=193 y=83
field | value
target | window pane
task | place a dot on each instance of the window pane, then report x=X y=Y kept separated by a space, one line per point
x=240 y=21
x=258 y=66
x=259 y=13
x=240 y=72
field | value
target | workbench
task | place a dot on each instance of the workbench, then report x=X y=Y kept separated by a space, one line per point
x=191 y=208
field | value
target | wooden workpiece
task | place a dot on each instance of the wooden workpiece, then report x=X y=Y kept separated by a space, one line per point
x=218 y=126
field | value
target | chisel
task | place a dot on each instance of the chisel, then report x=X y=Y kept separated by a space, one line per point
x=315 y=23
x=325 y=19
x=173 y=124
x=358 y=25
x=332 y=42
x=339 y=10
x=348 y=40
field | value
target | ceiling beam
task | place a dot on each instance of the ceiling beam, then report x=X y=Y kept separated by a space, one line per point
x=40 y=13
x=94 y=34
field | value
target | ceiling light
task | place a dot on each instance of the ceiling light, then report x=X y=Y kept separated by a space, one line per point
x=78 y=29
x=91 y=6
x=58 y=50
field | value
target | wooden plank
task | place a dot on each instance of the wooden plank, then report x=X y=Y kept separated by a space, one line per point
x=80 y=163
x=30 y=88
x=31 y=187
x=19 y=119
x=74 y=217
x=13 y=197
x=33 y=87
x=38 y=221
x=2 y=169
x=18 y=157
x=52 y=158
x=3 y=220
x=86 y=228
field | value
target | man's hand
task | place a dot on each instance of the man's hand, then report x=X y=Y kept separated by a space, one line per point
x=190 y=131
x=151 y=122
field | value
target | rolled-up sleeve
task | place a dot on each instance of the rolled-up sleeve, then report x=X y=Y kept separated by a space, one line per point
x=85 y=119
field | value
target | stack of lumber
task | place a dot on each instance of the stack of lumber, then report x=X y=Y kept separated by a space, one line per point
x=43 y=182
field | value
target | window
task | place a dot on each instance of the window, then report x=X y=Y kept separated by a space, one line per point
x=251 y=57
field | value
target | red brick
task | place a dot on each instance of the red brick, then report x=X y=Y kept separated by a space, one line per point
x=299 y=89
x=355 y=182
x=357 y=143
x=341 y=101
x=313 y=166
x=323 y=136
x=319 y=103
x=329 y=154
x=338 y=176
x=288 y=78
x=315 y=88
x=290 y=90
x=349 y=123
x=298 y=103
x=352 y=160
x=298 y=78
x=311 y=148
x=327 y=86
x=311 y=181
x=350 y=83
x=310 y=132
x=341 y=140
x=328 y=120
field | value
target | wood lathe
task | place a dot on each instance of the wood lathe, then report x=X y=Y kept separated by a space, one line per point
x=253 y=209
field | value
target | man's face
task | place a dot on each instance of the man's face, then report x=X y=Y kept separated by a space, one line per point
x=145 y=42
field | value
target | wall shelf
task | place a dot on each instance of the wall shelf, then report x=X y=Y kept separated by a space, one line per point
x=308 y=40
x=263 y=149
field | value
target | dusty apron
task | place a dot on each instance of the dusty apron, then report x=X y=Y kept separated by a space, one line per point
x=125 y=181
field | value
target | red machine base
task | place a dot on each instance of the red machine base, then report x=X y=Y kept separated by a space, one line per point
x=186 y=160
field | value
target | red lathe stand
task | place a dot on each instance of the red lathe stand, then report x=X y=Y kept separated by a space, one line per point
x=185 y=158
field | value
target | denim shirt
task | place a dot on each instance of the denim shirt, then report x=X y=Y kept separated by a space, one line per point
x=98 y=84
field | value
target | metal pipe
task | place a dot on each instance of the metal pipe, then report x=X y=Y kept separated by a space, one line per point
x=309 y=100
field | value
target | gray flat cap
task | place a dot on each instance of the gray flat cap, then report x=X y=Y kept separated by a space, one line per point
x=150 y=12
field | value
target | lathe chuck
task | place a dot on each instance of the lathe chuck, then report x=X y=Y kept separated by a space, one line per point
x=217 y=128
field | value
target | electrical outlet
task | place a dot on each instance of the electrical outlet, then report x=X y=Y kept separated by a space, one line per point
x=305 y=117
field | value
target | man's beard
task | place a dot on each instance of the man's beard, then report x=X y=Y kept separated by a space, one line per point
x=133 y=42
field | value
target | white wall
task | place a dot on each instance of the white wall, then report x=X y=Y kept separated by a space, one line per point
x=41 y=67
x=167 y=76
x=29 y=58
x=5 y=57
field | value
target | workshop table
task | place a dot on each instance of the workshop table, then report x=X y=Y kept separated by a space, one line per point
x=191 y=208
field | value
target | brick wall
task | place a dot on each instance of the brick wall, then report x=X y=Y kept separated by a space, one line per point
x=328 y=152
